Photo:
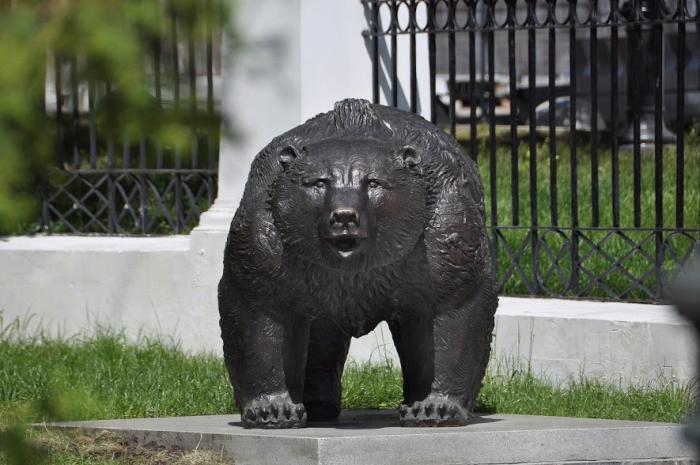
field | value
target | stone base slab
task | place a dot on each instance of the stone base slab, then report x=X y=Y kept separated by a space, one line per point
x=374 y=438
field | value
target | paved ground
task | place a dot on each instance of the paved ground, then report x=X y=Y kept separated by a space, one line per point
x=374 y=438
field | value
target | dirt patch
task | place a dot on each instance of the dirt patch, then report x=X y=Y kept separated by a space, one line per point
x=125 y=449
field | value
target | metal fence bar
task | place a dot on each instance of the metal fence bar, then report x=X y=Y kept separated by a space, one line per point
x=126 y=152
x=680 y=119
x=575 y=264
x=614 y=108
x=93 y=123
x=514 y=159
x=432 y=58
x=176 y=86
x=552 y=63
x=471 y=19
x=412 y=53
x=111 y=187
x=175 y=52
x=75 y=103
x=658 y=117
x=595 y=203
x=532 y=141
x=493 y=173
x=58 y=89
x=179 y=216
x=658 y=151
x=143 y=196
x=375 y=52
x=394 y=54
x=211 y=154
x=194 y=145
x=142 y=152
x=634 y=39
x=158 y=90
x=452 y=66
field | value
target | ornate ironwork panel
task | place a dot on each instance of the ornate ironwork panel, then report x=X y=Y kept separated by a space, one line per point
x=106 y=181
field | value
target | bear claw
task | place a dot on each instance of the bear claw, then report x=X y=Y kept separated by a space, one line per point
x=278 y=411
x=435 y=410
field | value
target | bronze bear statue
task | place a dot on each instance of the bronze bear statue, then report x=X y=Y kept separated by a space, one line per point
x=360 y=215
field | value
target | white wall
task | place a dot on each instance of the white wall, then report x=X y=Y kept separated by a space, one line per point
x=624 y=343
x=166 y=287
x=72 y=285
x=561 y=340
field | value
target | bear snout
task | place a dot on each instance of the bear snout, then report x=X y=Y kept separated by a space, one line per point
x=345 y=218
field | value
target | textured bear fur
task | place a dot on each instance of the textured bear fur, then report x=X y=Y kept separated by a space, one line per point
x=360 y=215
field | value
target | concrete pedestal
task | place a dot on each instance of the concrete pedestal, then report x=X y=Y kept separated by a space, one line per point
x=374 y=438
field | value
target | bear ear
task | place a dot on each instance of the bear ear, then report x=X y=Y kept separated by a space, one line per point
x=410 y=157
x=287 y=155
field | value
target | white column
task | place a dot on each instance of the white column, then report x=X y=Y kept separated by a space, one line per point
x=261 y=95
x=336 y=60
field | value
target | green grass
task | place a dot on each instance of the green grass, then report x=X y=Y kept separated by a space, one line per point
x=102 y=377
x=521 y=392
x=106 y=377
x=637 y=265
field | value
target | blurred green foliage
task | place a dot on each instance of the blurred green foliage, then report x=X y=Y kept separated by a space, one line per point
x=110 y=40
x=17 y=449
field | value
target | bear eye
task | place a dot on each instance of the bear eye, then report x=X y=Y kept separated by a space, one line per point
x=317 y=183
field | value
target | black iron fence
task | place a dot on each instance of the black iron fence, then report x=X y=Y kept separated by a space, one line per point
x=109 y=180
x=582 y=116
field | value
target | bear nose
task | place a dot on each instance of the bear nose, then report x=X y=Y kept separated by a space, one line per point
x=345 y=217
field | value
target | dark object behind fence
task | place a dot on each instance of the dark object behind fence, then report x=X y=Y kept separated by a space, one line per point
x=686 y=296
x=506 y=61
x=360 y=215
x=110 y=180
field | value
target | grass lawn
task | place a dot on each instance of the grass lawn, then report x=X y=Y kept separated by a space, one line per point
x=599 y=277
x=105 y=377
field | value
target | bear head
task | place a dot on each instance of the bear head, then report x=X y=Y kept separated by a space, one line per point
x=349 y=203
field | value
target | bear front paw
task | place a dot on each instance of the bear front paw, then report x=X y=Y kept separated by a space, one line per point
x=277 y=411
x=435 y=410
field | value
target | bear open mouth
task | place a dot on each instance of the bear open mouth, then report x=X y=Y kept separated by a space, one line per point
x=345 y=245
